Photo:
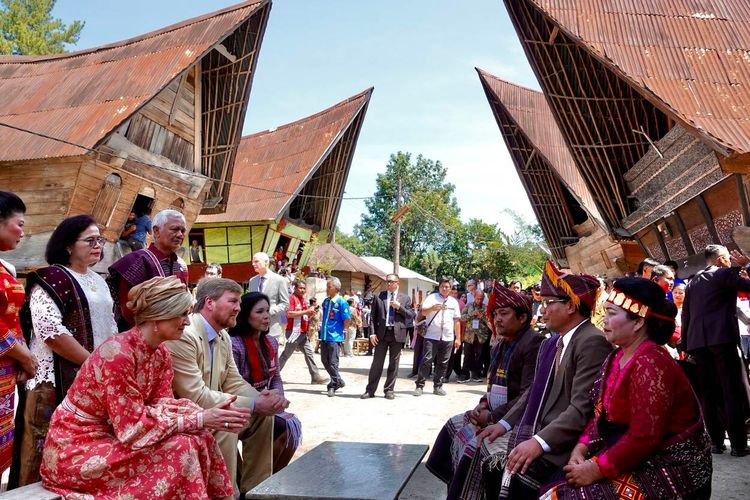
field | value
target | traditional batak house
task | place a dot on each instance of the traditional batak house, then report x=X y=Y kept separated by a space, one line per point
x=287 y=187
x=417 y=286
x=652 y=99
x=558 y=195
x=153 y=121
x=354 y=272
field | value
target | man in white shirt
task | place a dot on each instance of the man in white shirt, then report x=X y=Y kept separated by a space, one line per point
x=442 y=317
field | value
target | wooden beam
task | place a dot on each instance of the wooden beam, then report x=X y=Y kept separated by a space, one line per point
x=221 y=49
x=683 y=234
x=735 y=163
x=707 y=218
x=660 y=239
x=528 y=161
x=742 y=196
x=553 y=35
x=198 y=118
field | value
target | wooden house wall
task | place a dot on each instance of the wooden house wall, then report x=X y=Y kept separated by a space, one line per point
x=167 y=126
x=707 y=218
x=91 y=179
x=46 y=187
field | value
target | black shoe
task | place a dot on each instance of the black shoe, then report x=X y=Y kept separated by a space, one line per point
x=740 y=453
x=341 y=385
x=718 y=450
x=331 y=392
x=367 y=395
x=390 y=395
x=464 y=380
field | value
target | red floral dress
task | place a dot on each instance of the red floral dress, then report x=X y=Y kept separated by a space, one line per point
x=12 y=296
x=119 y=433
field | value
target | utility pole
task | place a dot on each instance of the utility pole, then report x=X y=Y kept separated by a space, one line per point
x=397 y=242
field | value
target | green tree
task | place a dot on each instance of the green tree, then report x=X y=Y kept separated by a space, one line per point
x=433 y=213
x=350 y=242
x=28 y=28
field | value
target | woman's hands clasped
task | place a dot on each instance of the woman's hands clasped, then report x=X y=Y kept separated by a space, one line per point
x=226 y=417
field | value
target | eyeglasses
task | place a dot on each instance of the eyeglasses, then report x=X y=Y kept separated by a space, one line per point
x=390 y=282
x=94 y=242
x=547 y=302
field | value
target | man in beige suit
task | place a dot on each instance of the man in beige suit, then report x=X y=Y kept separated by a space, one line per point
x=548 y=419
x=204 y=372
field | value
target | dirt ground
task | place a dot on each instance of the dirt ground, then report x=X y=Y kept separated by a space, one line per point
x=416 y=420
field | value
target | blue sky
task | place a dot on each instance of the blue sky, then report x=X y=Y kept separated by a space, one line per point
x=418 y=54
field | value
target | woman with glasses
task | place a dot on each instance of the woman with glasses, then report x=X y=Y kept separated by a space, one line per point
x=68 y=314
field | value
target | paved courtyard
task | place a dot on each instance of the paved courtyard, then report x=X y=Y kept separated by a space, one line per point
x=408 y=419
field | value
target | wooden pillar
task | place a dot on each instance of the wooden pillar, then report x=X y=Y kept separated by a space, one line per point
x=707 y=218
x=660 y=239
x=683 y=234
x=742 y=196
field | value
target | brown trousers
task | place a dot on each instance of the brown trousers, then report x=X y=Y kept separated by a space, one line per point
x=257 y=452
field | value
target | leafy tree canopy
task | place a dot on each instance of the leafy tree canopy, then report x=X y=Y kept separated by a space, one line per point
x=28 y=28
x=434 y=240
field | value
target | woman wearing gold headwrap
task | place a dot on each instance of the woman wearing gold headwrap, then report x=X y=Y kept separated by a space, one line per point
x=120 y=432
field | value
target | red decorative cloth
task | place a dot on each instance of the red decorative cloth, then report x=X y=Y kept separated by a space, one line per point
x=12 y=296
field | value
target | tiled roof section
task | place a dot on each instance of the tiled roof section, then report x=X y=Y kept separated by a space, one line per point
x=691 y=58
x=533 y=115
x=81 y=97
x=274 y=165
x=343 y=260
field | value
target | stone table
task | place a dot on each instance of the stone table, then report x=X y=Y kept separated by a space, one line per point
x=339 y=470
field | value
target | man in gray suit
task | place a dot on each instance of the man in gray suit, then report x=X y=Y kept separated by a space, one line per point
x=548 y=419
x=710 y=333
x=388 y=317
x=276 y=287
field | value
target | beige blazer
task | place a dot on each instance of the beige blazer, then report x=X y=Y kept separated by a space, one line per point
x=195 y=378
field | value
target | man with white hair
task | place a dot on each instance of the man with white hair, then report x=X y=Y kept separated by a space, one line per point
x=333 y=324
x=159 y=259
x=276 y=288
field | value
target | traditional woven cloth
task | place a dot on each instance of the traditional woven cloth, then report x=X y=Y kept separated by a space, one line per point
x=505 y=297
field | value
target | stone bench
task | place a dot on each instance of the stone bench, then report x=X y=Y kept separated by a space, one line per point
x=340 y=470
x=33 y=491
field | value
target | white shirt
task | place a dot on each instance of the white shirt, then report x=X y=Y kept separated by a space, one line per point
x=441 y=323
x=47 y=323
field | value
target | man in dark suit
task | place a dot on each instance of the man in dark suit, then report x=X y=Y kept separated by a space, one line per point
x=390 y=311
x=548 y=419
x=710 y=333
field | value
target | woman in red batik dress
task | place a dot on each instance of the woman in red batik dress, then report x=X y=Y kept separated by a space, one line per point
x=13 y=351
x=119 y=432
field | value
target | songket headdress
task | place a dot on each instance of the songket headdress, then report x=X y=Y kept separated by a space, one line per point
x=505 y=297
x=630 y=304
x=575 y=287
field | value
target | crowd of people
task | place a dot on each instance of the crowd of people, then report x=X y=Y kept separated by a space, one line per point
x=594 y=388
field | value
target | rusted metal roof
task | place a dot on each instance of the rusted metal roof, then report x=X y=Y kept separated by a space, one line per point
x=690 y=58
x=81 y=97
x=273 y=166
x=530 y=111
x=343 y=260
